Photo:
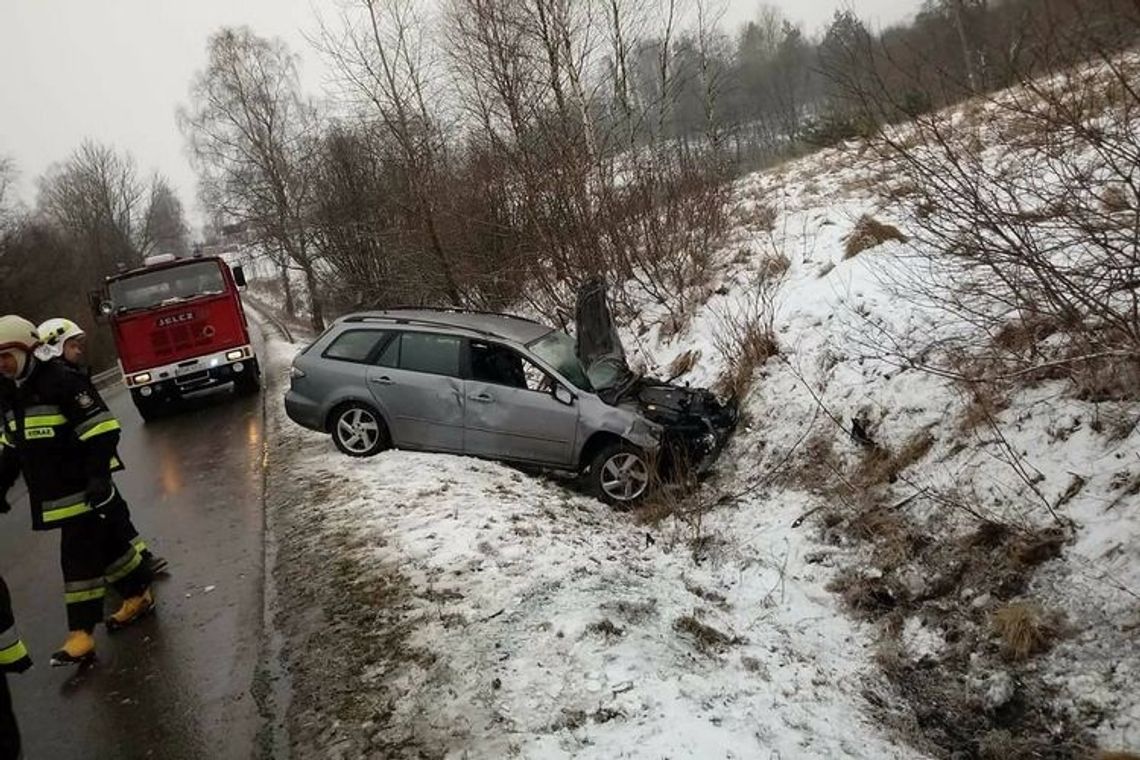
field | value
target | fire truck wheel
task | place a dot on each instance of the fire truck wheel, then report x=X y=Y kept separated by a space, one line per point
x=148 y=410
x=248 y=384
x=358 y=430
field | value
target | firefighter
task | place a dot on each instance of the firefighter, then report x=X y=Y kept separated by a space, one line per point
x=13 y=659
x=65 y=342
x=60 y=435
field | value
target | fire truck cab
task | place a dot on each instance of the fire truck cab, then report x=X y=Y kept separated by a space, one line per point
x=179 y=327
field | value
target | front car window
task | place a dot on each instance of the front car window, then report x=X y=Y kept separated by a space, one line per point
x=430 y=353
x=557 y=349
x=499 y=365
x=166 y=286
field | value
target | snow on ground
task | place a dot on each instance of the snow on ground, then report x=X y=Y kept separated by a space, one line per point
x=545 y=625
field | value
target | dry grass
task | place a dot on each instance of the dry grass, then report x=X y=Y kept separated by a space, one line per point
x=763 y=217
x=756 y=345
x=707 y=638
x=1116 y=755
x=1022 y=335
x=880 y=465
x=868 y=233
x=1024 y=630
x=745 y=335
x=1111 y=378
x=865 y=595
x=774 y=266
x=684 y=363
x=606 y=629
x=986 y=402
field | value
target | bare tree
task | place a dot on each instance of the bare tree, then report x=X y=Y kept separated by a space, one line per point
x=96 y=196
x=7 y=180
x=165 y=220
x=252 y=135
x=384 y=59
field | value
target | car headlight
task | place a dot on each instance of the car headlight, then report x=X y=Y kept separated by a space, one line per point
x=233 y=356
x=142 y=377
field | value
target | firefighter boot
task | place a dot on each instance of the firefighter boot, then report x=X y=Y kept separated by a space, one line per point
x=77 y=650
x=132 y=610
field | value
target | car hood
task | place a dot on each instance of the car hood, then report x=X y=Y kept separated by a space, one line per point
x=596 y=340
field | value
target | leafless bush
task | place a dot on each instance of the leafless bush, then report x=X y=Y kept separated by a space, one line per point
x=1025 y=214
x=745 y=335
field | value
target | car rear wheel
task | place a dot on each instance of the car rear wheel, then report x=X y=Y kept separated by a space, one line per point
x=358 y=430
x=620 y=474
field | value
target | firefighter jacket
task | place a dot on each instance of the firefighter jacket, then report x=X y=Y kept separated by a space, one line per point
x=60 y=434
x=13 y=653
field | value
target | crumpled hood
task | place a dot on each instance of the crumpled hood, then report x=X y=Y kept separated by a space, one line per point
x=596 y=340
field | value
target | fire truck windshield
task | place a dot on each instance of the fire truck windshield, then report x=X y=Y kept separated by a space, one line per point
x=165 y=286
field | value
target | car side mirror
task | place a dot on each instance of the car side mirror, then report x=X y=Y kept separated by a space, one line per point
x=239 y=276
x=563 y=395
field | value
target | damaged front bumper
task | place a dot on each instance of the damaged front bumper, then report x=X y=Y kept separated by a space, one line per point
x=695 y=426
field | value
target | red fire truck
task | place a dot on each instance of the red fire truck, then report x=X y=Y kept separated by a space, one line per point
x=179 y=327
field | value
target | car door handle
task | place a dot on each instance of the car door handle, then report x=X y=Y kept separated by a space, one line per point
x=482 y=398
x=382 y=380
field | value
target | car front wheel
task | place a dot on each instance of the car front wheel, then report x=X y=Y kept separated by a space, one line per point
x=620 y=474
x=358 y=430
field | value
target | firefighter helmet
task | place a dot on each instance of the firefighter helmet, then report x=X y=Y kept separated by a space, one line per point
x=53 y=334
x=18 y=338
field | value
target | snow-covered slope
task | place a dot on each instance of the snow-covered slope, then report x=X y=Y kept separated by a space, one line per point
x=534 y=622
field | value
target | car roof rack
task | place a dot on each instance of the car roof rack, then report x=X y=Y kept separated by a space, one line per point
x=394 y=319
x=461 y=310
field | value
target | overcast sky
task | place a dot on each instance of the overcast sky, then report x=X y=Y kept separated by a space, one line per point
x=116 y=70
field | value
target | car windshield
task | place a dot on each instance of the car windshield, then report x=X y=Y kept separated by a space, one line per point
x=557 y=349
x=165 y=286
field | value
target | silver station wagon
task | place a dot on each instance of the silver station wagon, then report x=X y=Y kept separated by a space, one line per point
x=486 y=385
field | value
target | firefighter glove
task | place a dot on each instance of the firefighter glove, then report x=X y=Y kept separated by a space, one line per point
x=99 y=489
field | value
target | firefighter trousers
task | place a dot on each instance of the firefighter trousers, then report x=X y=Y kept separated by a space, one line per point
x=96 y=552
x=9 y=732
x=120 y=516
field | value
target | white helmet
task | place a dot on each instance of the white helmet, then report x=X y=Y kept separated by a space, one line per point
x=18 y=338
x=53 y=334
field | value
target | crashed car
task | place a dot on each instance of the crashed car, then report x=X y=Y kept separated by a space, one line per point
x=505 y=388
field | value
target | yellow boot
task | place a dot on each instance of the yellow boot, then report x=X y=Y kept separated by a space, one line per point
x=132 y=610
x=77 y=650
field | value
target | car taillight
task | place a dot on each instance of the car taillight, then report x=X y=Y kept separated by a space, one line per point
x=296 y=372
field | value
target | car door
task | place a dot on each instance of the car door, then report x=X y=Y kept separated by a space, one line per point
x=511 y=411
x=417 y=381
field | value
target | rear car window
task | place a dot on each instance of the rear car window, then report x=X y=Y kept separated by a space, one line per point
x=355 y=345
x=433 y=354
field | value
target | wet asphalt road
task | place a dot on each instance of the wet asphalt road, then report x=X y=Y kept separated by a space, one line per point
x=178 y=684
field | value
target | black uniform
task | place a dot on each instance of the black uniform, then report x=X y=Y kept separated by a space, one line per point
x=117 y=512
x=13 y=659
x=62 y=437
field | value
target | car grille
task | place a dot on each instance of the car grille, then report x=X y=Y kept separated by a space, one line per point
x=176 y=339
